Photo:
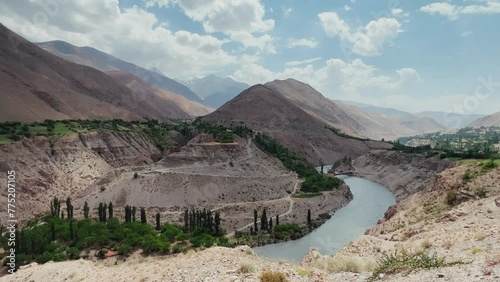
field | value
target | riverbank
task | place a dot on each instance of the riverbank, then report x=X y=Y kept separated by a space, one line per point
x=321 y=207
x=370 y=202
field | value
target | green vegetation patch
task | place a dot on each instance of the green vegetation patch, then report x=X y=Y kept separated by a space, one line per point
x=314 y=181
x=405 y=262
x=307 y=195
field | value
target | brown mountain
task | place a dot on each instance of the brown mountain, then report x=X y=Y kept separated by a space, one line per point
x=266 y=111
x=491 y=120
x=351 y=119
x=171 y=104
x=37 y=85
x=92 y=57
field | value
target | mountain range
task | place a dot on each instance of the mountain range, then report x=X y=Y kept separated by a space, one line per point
x=92 y=57
x=216 y=91
x=444 y=119
x=37 y=85
x=490 y=120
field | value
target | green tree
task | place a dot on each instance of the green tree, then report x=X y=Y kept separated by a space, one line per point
x=270 y=225
x=255 y=216
x=110 y=210
x=186 y=219
x=158 y=221
x=55 y=207
x=217 y=223
x=86 y=210
x=309 y=220
x=277 y=219
x=263 y=220
x=133 y=213
x=143 y=216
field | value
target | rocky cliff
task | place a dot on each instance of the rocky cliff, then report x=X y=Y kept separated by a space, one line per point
x=402 y=174
x=62 y=166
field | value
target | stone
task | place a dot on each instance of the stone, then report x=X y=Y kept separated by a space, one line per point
x=440 y=275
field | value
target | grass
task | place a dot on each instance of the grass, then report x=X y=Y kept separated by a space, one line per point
x=476 y=250
x=4 y=139
x=272 y=276
x=304 y=272
x=246 y=268
x=405 y=262
x=346 y=263
x=307 y=195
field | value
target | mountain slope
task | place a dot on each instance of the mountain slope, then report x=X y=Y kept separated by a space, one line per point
x=172 y=105
x=444 y=119
x=350 y=119
x=451 y=120
x=491 y=120
x=266 y=111
x=94 y=58
x=37 y=85
x=216 y=91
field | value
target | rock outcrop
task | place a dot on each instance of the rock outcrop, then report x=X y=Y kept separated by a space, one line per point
x=63 y=166
x=402 y=174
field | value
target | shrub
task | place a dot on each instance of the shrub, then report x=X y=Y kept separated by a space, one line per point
x=60 y=257
x=73 y=253
x=246 y=268
x=124 y=249
x=136 y=175
x=467 y=177
x=451 y=197
x=45 y=257
x=271 y=276
x=406 y=262
x=482 y=192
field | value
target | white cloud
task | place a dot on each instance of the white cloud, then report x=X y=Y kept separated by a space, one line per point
x=366 y=41
x=238 y=19
x=347 y=8
x=264 y=42
x=303 y=62
x=302 y=42
x=398 y=12
x=336 y=77
x=287 y=11
x=453 y=12
x=132 y=34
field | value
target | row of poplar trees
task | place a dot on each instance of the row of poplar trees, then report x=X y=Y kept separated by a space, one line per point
x=265 y=224
x=104 y=211
x=202 y=219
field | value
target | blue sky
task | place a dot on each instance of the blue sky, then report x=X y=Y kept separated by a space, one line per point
x=412 y=55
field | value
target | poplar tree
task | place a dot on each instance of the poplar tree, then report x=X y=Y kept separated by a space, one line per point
x=143 y=215
x=217 y=222
x=263 y=220
x=86 y=210
x=255 y=215
x=277 y=219
x=158 y=221
x=110 y=210
x=309 y=221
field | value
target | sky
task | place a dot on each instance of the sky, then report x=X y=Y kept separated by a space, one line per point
x=405 y=54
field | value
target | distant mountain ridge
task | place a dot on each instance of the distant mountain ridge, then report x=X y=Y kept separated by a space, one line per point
x=490 y=120
x=102 y=61
x=445 y=119
x=216 y=91
x=351 y=119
